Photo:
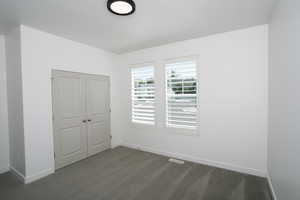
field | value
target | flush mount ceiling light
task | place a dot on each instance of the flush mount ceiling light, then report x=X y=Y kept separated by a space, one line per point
x=121 y=7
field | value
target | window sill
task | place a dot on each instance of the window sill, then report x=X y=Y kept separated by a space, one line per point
x=139 y=125
x=182 y=131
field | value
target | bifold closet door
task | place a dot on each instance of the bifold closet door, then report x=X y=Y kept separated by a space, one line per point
x=98 y=113
x=70 y=140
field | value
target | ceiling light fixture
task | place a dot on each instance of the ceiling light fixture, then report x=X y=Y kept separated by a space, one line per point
x=121 y=7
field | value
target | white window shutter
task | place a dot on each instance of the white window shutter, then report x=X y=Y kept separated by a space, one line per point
x=143 y=95
x=181 y=94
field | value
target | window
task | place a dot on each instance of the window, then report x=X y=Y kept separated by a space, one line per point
x=181 y=94
x=143 y=95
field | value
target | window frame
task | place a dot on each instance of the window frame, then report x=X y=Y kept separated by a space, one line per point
x=131 y=68
x=181 y=129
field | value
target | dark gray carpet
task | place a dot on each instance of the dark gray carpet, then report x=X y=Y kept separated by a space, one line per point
x=123 y=174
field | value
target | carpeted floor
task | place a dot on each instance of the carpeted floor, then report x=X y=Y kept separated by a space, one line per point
x=124 y=174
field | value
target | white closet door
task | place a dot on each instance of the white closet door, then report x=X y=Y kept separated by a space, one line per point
x=98 y=112
x=70 y=140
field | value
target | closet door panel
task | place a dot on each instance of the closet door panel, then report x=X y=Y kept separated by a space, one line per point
x=98 y=112
x=70 y=140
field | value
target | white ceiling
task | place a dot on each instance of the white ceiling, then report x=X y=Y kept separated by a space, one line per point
x=155 y=22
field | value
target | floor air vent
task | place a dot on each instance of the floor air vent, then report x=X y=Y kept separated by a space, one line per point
x=173 y=160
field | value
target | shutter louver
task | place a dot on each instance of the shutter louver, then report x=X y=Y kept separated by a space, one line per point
x=181 y=94
x=143 y=95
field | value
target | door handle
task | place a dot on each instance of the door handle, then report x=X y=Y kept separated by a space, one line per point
x=84 y=121
x=89 y=120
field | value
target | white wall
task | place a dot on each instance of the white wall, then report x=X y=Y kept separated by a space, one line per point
x=42 y=52
x=233 y=96
x=4 y=139
x=233 y=76
x=284 y=70
x=14 y=99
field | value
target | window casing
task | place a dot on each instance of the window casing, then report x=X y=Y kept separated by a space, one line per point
x=143 y=95
x=181 y=94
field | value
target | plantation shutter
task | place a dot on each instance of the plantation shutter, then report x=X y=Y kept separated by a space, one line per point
x=143 y=95
x=181 y=94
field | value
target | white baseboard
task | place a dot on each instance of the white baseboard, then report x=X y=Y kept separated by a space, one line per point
x=17 y=174
x=32 y=178
x=39 y=175
x=271 y=187
x=3 y=170
x=114 y=146
x=227 y=166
